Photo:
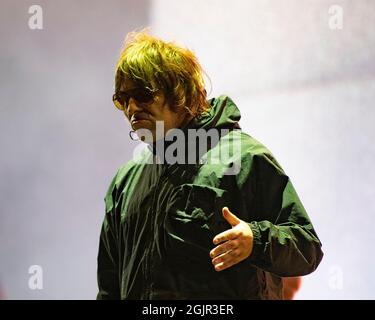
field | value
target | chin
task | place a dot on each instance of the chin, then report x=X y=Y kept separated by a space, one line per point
x=142 y=125
x=146 y=134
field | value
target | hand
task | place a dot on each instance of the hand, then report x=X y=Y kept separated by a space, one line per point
x=234 y=245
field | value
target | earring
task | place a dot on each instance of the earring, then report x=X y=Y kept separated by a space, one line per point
x=133 y=135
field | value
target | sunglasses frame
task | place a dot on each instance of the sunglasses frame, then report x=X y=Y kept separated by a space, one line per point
x=148 y=93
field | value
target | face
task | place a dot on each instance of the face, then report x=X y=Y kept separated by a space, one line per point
x=143 y=108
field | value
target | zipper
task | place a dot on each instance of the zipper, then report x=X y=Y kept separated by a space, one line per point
x=150 y=249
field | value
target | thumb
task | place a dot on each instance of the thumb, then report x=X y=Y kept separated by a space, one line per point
x=230 y=217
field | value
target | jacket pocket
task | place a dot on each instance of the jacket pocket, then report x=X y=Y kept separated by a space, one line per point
x=193 y=218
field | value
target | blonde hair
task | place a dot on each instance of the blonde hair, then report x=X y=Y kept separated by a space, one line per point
x=154 y=63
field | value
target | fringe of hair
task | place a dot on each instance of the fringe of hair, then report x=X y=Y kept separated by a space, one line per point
x=154 y=63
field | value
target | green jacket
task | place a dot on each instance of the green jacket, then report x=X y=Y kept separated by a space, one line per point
x=160 y=221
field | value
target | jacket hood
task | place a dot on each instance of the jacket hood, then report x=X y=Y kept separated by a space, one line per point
x=222 y=114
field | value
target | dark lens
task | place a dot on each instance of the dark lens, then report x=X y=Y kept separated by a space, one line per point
x=121 y=97
x=142 y=95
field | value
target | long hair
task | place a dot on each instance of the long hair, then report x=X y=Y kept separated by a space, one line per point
x=154 y=63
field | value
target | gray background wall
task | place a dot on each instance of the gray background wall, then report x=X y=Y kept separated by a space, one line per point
x=304 y=89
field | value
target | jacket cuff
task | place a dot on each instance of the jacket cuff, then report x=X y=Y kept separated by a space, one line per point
x=257 y=252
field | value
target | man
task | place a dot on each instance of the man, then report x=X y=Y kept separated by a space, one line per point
x=219 y=222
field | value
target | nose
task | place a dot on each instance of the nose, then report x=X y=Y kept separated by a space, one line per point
x=132 y=107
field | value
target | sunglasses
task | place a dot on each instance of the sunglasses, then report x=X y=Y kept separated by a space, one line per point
x=143 y=95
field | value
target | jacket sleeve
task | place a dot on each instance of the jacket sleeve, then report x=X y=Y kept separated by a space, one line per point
x=108 y=259
x=285 y=242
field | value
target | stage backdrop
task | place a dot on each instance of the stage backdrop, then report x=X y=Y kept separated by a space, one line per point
x=302 y=73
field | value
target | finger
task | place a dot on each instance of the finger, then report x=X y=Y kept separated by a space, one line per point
x=230 y=217
x=222 y=248
x=227 y=260
x=226 y=235
x=227 y=257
